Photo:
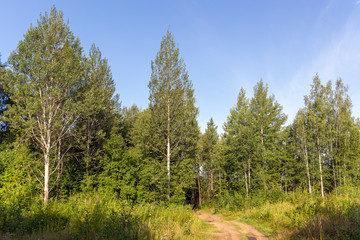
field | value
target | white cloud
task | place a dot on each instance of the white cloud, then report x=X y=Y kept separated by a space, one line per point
x=357 y=2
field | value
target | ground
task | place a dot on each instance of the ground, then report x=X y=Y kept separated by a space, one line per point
x=229 y=229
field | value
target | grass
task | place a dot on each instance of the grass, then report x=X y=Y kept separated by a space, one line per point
x=103 y=216
x=206 y=231
x=98 y=216
x=302 y=216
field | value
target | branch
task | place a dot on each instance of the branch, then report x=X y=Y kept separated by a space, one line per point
x=37 y=177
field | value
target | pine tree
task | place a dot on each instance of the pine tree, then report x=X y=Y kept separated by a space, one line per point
x=46 y=69
x=173 y=114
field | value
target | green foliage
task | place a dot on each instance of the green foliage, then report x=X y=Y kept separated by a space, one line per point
x=208 y=165
x=4 y=98
x=172 y=127
x=44 y=77
x=95 y=109
x=253 y=142
x=16 y=183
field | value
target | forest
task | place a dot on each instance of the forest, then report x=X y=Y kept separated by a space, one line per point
x=76 y=164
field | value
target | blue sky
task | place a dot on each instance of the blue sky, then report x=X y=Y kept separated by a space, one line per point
x=226 y=45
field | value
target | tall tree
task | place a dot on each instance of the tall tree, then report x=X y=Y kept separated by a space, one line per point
x=95 y=109
x=208 y=142
x=318 y=109
x=172 y=105
x=267 y=120
x=46 y=68
x=344 y=128
x=240 y=145
x=302 y=141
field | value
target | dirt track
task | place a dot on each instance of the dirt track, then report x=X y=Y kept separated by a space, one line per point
x=231 y=230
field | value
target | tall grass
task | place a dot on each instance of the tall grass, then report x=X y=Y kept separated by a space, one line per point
x=302 y=216
x=97 y=216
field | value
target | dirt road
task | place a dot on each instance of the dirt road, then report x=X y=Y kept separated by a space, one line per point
x=231 y=230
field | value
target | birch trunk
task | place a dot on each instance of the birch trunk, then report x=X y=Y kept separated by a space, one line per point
x=199 y=185
x=307 y=168
x=168 y=152
x=46 y=175
x=246 y=183
x=320 y=168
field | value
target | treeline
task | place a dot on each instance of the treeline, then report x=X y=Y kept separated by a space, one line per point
x=258 y=156
x=64 y=131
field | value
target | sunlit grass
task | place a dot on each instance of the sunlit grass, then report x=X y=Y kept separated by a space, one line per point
x=302 y=216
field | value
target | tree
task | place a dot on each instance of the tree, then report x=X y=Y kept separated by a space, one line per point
x=343 y=131
x=208 y=162
x=46 y=71
x=267 y=120
x=173 y=111
x=318 y=109
x=96 y=108
x=301 y=139
x=240 y=142
x=253 y=140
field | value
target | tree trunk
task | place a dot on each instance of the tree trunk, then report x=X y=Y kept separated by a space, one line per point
x=219 y=182
x=246 y=183
x=211 y=182
x=344 y=171
x=168 y=153
x=249 y=174
x=307 y=168
x=333 y=163
x=168 y=165
x=46 y=176
x=199 y=185
x=320 y=168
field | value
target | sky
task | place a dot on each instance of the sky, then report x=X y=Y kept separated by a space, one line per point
x=226 y=45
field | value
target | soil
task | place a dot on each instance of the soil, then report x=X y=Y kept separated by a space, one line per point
x=231 y=230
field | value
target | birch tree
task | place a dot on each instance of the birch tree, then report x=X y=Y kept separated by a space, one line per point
x=317 y=110
x=302 y=141
x=46 y=68
x=173 y=111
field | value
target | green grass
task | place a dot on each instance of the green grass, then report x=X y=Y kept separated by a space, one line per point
x=97 y=216
x=302 y=216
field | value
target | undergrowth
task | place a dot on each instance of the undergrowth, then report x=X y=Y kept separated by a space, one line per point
x=96 y=216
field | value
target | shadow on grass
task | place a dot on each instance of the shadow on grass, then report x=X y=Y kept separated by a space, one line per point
x=332 y=222
x=47 y=223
